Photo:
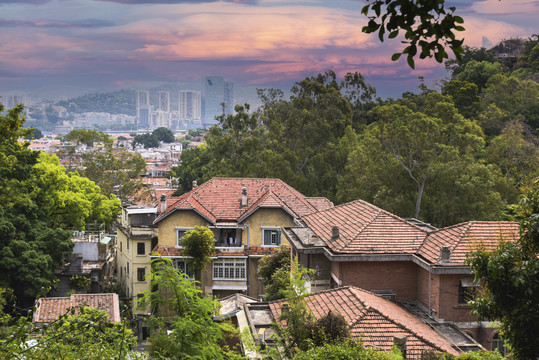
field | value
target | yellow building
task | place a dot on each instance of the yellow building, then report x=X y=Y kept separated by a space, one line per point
x=136 y=235
x=246 y=217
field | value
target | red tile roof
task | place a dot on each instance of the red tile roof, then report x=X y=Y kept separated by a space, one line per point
x=49 y=309
x=366 y=229
x=219 y=199
x=465 y=237
x=375 y=320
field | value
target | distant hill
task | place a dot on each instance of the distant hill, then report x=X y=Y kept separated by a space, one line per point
x=117 y=102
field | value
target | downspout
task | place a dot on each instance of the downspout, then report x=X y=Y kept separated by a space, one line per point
x=248 y=258
x=430 y=315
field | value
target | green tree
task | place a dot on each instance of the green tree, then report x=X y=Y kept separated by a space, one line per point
x=198 y=246
x=82 y=333
x=164 y=135
x=69 y=199
x=479 y=72
x=465 y=96
x=346 y=350
x=518 y=99
x=182 y=324
x=114 y=171
x=88 y=137
x=194 y=166
x=516 y=152
x=296 y=323
x=275 y=273
x=510 y=279
x=455 y=66
x=147 y=140
x=428 y=27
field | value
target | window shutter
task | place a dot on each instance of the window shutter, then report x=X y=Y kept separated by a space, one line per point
x=278 y=237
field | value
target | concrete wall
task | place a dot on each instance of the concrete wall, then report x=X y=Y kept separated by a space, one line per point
x=89 y=250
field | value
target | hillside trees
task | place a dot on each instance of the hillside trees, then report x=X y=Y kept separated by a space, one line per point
x=38 y=201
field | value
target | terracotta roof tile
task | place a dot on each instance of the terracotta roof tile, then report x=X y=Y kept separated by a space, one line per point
x=49 y=309
x=465 y=237
x=365 y=228
x=375 y=320
x=220 y=199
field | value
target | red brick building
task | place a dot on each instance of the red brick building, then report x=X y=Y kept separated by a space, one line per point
x=407 y=261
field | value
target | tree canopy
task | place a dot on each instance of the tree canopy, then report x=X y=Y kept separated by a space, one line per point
x=510 y=277
x=40 y=202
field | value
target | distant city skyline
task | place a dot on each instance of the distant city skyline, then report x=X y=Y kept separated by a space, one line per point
x=113 y=44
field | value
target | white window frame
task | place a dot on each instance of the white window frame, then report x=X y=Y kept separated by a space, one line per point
x=183 y=268
x=183 y=229
x=230 y=269
x=271 y=228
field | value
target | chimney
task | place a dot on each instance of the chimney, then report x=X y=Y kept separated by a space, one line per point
x=194 y=184
x=445 y=254
x=244 y=196
x=400 y=343
x=163 y=203
x=334 y=232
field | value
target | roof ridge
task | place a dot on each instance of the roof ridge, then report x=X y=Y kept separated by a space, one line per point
x=296 y=192
x=462 y=235
x=367 y=223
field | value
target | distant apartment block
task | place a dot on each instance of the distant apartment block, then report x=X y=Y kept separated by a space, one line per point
x=163 y=101
x=189 y=107
x=215 y=92
x=144 y=109
x=10 y=101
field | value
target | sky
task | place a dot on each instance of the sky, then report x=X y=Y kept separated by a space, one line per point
x=111 y=44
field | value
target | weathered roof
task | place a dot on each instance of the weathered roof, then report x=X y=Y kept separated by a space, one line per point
x=365 y=228
x=219 y=199
x=375 y=320
x=49 y=309
x=465 y=237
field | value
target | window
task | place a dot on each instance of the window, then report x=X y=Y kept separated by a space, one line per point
x=179 y=233
x=121 y=245
x=466 y=290
x=127 y=243
x=141 y=248
x=272 y=237
x=229 y=269
x=497 y=344
x=184 y=267
x=127 y=269
x=141 y=272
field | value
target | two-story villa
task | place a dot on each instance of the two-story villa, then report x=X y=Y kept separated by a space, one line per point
x=405 y=260
x=246 y=217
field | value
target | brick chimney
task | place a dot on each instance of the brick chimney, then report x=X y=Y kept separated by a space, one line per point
x=244 y=201
x=400 y=343
x=163 y=203
x=445 y=254
x=334 y=232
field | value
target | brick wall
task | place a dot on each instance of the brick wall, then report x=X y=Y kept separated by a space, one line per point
x=397 y=276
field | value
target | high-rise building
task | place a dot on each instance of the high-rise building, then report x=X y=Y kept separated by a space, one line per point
x=189 y=106
x=163 y=101
x=144 y=110
x=228 y=97
x=215 y=92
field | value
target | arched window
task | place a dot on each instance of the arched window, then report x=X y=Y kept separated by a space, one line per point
x=497 y=344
